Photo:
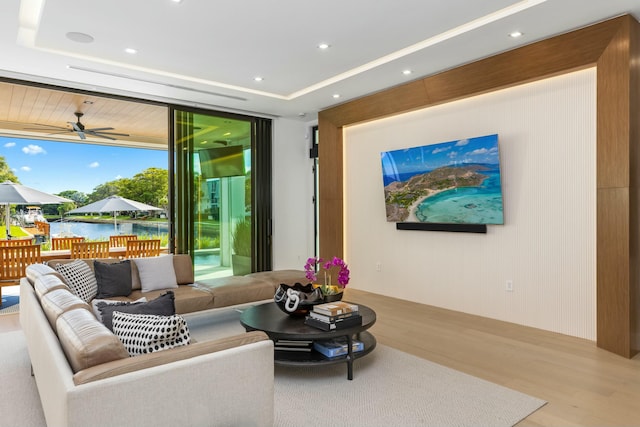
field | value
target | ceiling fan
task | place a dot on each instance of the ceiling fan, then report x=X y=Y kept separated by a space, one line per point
x=80 y=129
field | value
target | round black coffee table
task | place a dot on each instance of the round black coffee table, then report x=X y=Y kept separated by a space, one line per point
x=280 y=326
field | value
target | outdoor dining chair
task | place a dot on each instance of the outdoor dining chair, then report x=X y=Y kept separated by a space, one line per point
x=59 y=243
x=120 y=241
x=14 y=261
x=142 y=248
x=90 y=250
x=16 y=242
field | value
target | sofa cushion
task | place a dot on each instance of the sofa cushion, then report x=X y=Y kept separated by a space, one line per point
x=234 y=290
x=276 y=277
x=87 y=342
x=184 y=269
x=80 y=278
x=148 y=333
x=163 y=305
x=58 y=301
x=156 y=273
x=113 y=279
x=48 y=283
x=33 y=271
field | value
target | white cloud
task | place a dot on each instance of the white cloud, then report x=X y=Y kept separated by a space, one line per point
x=94 y=165
x=25 y=169
x=10 y=144
x=33 y=149
x=462 y=143
x=118 y=176
x=440 y=150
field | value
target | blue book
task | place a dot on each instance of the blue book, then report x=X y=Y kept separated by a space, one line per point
x=336 y=347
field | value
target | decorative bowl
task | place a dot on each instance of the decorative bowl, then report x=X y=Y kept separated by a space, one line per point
x=297 y=299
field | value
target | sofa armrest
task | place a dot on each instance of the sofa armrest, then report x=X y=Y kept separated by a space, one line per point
x=131 y=364
x=224 y=388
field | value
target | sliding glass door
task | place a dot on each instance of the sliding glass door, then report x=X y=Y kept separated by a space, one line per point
x=220 y=188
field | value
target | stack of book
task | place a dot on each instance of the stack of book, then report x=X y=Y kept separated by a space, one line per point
x=293 y=345
x=334 y=315
x=336 y=347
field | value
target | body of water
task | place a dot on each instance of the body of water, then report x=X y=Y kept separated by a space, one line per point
x=469 y=205
x=102 y=231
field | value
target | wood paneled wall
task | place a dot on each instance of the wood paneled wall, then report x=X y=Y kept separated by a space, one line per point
x=614 y=47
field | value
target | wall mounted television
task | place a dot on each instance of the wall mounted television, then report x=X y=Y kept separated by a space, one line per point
x=222 y=161
x=456 y=182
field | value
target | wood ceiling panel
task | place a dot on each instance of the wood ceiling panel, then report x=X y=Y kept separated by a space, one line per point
x=24 y=106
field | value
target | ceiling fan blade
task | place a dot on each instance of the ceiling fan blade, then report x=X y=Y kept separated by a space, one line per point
x=76 y=127
x=97 y=129
x=99 y=135
x=46 y=127
x=106 y=133
x=60 y=132
x=81 y=135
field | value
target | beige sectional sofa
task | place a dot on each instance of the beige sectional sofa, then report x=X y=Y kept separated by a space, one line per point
x=85 y=375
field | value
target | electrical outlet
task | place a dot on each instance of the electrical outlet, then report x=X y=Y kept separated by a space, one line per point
x=378 y=266
x=508 y=286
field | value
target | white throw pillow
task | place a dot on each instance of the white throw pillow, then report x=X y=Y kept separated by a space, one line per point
x=148 y=333
x=156 y=273
x=80 y=279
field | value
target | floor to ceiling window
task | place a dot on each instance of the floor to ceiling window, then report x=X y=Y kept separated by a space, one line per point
x=220 y=214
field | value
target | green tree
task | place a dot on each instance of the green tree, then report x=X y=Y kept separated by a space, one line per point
x=65 y=207
x=6 y=173
x=150 y=186
x=77 y=196
x=103 y=191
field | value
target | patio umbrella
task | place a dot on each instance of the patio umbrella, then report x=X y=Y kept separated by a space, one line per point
x=17 y=194
x=114 y=204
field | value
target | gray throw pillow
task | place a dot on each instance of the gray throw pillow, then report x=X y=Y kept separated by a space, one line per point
x=114 y=280
x=164 y=305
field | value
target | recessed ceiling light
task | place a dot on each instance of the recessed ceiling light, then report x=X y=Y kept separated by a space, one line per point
x=131 y=50
x=178 y=1
x=406 y=72
x=336 y=95
x=79 y=37
x=87 y=102
x=323 y=46
x=258 y=79
x=515 y=34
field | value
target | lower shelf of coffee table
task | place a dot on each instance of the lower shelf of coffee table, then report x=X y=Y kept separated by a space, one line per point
x=305 y=358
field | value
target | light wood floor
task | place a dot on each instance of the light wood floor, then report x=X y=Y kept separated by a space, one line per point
x=584 y=385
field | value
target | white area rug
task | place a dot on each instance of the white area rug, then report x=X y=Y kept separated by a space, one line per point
x=390 y=388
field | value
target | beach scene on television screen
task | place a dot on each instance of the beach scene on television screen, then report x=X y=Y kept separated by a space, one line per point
x=456 y=182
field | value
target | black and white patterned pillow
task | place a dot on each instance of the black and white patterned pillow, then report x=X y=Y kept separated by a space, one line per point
x=80 y=279
x=147 y=333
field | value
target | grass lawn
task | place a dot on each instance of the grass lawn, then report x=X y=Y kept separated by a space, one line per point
x=15 y=232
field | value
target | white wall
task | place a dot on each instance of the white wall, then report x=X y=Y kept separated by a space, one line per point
x=547 y=244
x=293 y=238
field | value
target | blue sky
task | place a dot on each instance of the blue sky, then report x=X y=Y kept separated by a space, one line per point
x=483 y=149
x=58 y=166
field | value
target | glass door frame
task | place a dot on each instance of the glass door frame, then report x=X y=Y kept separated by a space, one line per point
x=182 y=188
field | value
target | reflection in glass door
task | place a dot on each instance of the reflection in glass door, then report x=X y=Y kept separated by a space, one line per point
x=213 y=162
